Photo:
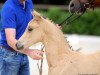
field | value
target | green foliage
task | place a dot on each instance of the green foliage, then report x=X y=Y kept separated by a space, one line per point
x=88 y=24
x=54 y=14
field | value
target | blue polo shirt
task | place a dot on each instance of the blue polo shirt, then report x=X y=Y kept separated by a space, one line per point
x=14 y=16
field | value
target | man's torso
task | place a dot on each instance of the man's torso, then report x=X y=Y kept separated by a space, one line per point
x=21 y=18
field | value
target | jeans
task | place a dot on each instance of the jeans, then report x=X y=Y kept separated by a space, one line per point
x=13 y=63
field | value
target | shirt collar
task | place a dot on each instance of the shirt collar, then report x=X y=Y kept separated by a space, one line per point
x=17 y=2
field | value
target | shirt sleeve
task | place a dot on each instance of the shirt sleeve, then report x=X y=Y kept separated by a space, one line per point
x=32 y=8
x=8 y=18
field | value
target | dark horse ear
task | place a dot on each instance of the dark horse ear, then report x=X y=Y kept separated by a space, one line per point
x=36 y=15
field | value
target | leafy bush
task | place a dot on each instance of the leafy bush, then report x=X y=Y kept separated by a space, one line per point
x=88 y=24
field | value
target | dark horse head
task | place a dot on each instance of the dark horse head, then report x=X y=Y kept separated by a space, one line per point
x=80 y=6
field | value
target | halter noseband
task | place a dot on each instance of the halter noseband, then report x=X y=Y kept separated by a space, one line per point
x=87 y=5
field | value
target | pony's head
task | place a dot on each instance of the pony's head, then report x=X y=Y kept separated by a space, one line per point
x=33 y=33
x=77 y=6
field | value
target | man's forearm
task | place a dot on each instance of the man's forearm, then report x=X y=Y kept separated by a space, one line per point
x=34 y=54
x=12 y=43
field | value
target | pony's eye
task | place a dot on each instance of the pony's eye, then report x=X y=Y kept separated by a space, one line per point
x=30 y=29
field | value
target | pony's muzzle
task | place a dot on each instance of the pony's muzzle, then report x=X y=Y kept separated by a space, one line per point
x=71 y=7
x=19 y=45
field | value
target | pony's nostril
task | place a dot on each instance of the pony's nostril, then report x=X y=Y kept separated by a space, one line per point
x=19 y=46
x=72 y=5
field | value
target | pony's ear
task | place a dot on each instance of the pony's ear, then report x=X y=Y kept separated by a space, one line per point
x=36 y=15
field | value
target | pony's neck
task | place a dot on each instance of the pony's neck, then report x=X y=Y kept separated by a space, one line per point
x=55 y=44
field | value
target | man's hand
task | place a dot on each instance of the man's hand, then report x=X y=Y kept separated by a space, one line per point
x=36 y=54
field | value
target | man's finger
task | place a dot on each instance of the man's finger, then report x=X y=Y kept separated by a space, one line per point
x=41 y=52
x=40 y=57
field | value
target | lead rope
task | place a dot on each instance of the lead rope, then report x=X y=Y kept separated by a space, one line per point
x=41 y=64
x=68 y=18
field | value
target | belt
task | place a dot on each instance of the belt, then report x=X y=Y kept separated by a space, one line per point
x=4 y=47
x=10 y=49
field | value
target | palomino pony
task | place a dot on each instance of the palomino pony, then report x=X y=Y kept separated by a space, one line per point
x=77 y=5
x=60 y=58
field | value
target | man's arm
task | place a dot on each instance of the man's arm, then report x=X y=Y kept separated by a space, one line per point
x=11 y=40
x=10 y=36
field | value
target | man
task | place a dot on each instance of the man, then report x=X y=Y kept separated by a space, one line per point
x=15 y=16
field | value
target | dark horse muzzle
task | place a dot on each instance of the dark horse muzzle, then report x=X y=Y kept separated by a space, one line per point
x=77 y=6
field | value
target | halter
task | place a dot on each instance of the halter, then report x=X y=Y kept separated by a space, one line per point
x=84 y=7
